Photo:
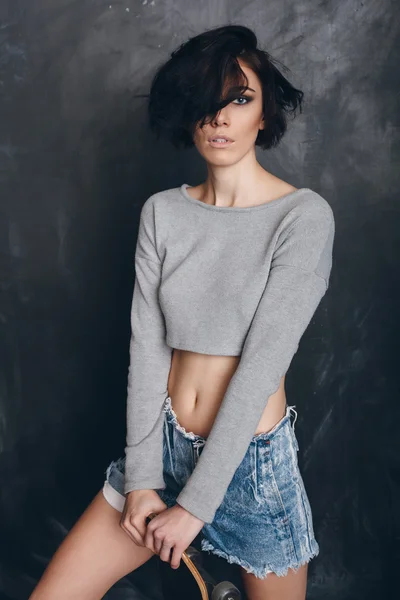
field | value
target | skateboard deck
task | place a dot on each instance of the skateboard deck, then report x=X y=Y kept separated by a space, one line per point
x=192 y=581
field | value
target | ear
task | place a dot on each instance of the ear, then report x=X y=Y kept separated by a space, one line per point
x=262 y=124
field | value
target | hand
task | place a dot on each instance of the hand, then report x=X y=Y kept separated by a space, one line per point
x=139 y=504
x=173 y=529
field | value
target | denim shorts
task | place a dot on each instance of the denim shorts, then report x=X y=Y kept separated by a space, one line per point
x=264 y=523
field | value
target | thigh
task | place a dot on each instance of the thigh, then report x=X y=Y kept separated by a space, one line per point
x=95 y=554
x=292 y=586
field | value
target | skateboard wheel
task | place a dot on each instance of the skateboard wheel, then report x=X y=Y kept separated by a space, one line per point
x=225 y=590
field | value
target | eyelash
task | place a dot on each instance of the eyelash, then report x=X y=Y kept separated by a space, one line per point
x=246 y=98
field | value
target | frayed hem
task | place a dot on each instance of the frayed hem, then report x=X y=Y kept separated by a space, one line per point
x=259 y=573
x=115 y=464
x=296 y=566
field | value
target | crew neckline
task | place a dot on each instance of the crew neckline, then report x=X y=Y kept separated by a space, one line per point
x=185 y=194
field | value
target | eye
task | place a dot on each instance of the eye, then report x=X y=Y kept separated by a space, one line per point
x=243 y=98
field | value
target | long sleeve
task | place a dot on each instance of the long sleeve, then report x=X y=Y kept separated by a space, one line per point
x=297 y=281
x=150 y=361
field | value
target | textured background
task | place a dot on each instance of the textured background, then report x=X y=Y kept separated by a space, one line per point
x=76 y=165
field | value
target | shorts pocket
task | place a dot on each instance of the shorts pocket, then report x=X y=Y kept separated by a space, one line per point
x=280 y=491
x=283 y=457
x=276 y=472
x=276 y=491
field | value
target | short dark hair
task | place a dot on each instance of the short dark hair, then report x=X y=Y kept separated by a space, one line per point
x=188 y=88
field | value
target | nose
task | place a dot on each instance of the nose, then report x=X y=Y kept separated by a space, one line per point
x=220 y=117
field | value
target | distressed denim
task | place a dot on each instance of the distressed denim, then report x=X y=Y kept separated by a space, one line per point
x=264 y=523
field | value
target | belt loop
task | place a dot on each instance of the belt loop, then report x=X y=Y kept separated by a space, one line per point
x=196 y=445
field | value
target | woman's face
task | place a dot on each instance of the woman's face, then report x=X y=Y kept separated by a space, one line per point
x=240 y=120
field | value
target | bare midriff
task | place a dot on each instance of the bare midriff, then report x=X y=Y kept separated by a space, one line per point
x=197 y=384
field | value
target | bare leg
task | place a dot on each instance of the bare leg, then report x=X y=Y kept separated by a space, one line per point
x=290 y=587
x=95 y=554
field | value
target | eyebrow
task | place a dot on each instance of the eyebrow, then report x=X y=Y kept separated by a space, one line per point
x=241 y=88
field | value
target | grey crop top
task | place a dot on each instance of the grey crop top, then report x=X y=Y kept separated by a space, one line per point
x=235 y=281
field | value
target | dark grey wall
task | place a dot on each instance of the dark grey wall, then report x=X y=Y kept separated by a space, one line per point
x=77 y=163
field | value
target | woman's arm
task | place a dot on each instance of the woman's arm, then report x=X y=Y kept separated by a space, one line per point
x=150 y=363
x=297 y=281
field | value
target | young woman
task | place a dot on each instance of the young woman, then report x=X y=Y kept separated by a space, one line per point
x=228 y=275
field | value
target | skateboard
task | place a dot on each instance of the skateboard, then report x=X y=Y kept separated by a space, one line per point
x=193 y=581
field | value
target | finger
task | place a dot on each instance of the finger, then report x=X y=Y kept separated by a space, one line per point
x=133 y=537
x=149 y=540
x=132 y=532
x=140 y=526
x=157 y=544
x=176 y=557
x=165 y=553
